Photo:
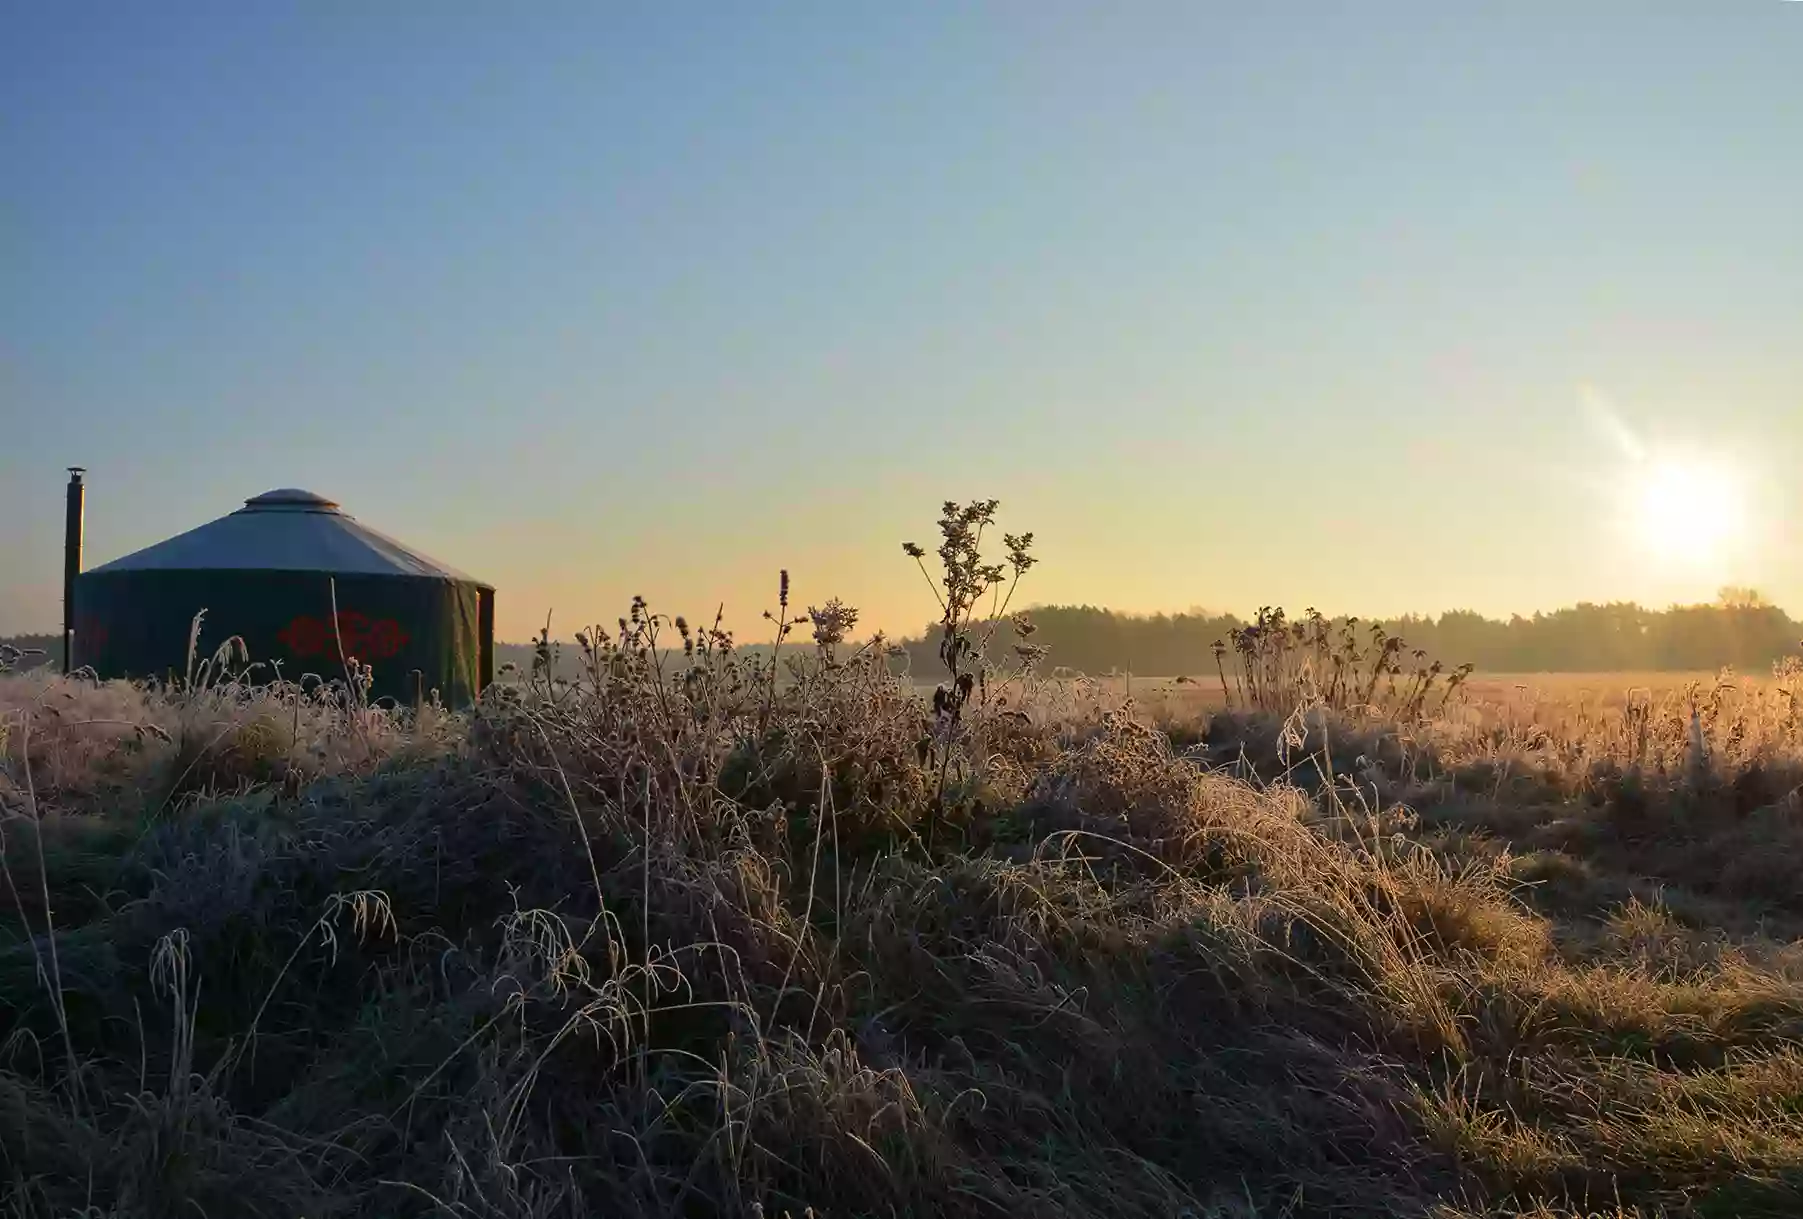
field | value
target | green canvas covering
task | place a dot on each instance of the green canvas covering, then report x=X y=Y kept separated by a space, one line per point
x=268 y=574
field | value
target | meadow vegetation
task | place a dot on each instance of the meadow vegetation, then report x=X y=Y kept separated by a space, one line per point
x=671 y=928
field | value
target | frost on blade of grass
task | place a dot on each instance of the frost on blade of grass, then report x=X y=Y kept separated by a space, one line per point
x=671 y=926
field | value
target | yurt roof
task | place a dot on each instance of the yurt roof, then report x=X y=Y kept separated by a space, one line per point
x=287 y=530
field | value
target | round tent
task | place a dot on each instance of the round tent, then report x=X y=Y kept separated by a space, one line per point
x=270 y=573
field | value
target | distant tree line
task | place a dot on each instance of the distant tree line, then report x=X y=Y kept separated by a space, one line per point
x=1740 y=629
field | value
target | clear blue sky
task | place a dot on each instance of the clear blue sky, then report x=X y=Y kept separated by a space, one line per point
x=1231 y=304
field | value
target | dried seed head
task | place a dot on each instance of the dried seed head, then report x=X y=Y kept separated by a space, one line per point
x=832 y=623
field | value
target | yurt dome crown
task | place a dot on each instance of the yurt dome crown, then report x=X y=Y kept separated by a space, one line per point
x=289 y=499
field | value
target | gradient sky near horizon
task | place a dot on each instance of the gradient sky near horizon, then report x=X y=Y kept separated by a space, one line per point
x=1357 y=306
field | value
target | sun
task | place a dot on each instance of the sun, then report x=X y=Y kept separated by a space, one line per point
x=1687 y=511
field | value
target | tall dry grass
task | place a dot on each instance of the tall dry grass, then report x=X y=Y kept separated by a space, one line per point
x=693 y=932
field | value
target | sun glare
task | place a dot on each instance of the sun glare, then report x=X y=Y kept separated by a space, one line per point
x=1687 y=511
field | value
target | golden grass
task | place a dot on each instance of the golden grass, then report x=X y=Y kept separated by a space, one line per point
x=1557 y=693
x=689 y=940
x=1392 y=1013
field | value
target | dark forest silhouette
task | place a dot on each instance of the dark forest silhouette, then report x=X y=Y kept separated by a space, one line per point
x=1739 y=630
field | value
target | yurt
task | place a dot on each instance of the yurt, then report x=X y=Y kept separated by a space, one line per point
x=270 y=573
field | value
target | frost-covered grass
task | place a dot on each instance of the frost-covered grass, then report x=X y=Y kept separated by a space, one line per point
x=677 y=938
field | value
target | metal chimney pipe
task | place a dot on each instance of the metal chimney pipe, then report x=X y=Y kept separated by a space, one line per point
x=72 y=531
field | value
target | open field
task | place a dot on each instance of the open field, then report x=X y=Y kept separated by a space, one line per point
x=707 y=947
x=1484 y=695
